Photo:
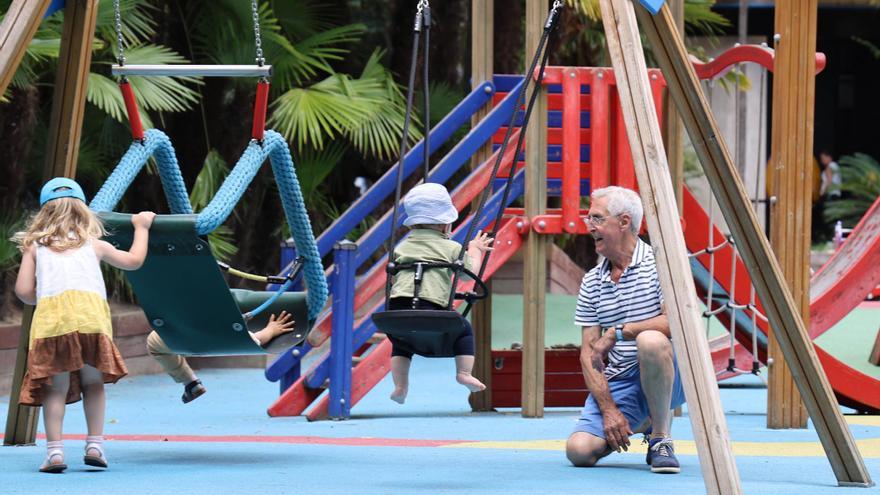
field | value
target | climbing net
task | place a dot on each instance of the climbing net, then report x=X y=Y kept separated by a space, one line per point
x=720 y=298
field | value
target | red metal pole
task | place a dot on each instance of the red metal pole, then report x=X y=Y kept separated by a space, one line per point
x=599 y=128
x=131 y=107
x=260 y=103
x=571 y=149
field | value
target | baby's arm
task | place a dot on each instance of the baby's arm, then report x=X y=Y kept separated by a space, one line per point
x=479 y=245
x=135 y=256
x=26 y=282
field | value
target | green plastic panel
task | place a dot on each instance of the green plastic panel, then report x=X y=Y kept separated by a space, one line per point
x=186 y=300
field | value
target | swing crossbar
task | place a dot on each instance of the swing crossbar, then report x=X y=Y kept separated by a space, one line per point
x=184 y=70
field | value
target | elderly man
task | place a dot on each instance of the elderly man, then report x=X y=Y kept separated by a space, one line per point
x=626 y=354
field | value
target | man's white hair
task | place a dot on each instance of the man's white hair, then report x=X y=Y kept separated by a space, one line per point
x=622 y=200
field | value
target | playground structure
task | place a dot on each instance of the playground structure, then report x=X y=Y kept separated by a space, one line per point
x=351 y=294
x=297 y=398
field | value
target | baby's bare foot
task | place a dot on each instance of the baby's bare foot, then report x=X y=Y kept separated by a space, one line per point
x=470 y=382
x=399 y=395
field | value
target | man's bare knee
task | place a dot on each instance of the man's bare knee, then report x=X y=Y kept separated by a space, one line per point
x=585 y=450
x=652 y=343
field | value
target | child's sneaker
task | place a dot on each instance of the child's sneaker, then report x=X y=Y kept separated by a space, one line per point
x=661 y=456
x=193 y=391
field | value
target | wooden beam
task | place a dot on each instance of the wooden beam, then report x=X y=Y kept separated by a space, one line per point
x=482 y=68
x=535 y=256
x=16 y=32
x=65 y=127
x=791 y=166
x=69 y=99
x=783 y=314
x=673 y=135
x=673 y=267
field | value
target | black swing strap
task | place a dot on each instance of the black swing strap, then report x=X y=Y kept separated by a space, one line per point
x=422 y=21
x=544 y=56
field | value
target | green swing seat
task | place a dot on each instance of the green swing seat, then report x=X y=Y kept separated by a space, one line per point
x=185 y=296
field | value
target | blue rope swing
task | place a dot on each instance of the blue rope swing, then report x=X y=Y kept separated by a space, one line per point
x=156 y=144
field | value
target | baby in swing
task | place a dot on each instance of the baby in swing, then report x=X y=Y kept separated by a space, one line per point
x=430 y=214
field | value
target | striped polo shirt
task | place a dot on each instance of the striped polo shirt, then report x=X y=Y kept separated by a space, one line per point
x=635 y=297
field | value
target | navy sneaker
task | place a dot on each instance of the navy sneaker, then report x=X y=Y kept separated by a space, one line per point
x=661 y=456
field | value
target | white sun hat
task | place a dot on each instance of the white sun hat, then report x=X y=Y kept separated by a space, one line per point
x=428 y=204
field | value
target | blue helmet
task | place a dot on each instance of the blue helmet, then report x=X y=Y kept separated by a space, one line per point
x=61 y=187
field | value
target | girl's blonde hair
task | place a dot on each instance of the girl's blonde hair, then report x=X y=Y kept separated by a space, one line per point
x=61 y=224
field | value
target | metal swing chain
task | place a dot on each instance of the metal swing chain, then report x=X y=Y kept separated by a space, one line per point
x=258 y=40
x=543 y=54
x=420 y=10
x=392 y=240
x=120 y=57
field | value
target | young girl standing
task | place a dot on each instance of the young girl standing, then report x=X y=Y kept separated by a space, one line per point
x=71 y=352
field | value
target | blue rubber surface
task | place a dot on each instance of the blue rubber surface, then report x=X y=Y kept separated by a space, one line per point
x=436 y=409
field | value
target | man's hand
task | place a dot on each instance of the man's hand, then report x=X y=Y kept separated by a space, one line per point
x=601 y=348
x=617 y=430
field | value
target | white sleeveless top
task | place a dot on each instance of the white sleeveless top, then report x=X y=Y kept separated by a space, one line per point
x=71 y=296
x=73 y=269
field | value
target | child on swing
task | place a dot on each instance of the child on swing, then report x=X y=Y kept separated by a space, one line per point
x=71 y=354
x=179 y=369
x=430 y=214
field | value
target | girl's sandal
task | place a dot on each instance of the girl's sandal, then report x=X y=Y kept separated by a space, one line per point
x=94 y=454
x=54 y=462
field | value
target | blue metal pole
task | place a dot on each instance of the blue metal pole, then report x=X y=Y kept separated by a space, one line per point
x=384 y=187
x=343 y=321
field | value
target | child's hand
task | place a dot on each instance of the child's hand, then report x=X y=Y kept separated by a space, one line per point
x=481 y=242
x=283 y=324
x=143 y=219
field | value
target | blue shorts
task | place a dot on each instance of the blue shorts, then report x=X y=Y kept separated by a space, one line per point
x=627 y=394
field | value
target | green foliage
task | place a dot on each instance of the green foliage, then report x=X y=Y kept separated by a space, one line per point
x=313 y=166
x=698 y=18
x=874 y=49
x=860 y=176
x=10 y=223
x=209 y=180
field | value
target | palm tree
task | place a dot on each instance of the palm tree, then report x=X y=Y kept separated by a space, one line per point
x=586 y=38
x=326 y=114
x=860 y=186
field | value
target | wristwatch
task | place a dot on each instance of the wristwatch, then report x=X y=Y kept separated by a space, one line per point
x=618 y=332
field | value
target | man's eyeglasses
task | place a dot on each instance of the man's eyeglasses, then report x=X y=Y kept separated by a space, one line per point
x=597 y=219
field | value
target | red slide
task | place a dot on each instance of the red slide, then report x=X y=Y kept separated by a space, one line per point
x=836 y=289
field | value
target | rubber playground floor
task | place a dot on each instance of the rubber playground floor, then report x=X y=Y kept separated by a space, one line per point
x=224 y=443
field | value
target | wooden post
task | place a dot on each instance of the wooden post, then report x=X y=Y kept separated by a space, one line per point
x=874 y=358
x=69 y=99
x=673 y=267
x=21 y=421
x=65 y=127
x=535 y=256
x=791 y=164
x=16 y=32
x=782 y=313
x=482 y=51
x=674 y=131
x=673 y=137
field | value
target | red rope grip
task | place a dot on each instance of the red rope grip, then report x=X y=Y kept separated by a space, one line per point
x=134 y=117
x=260 y=103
